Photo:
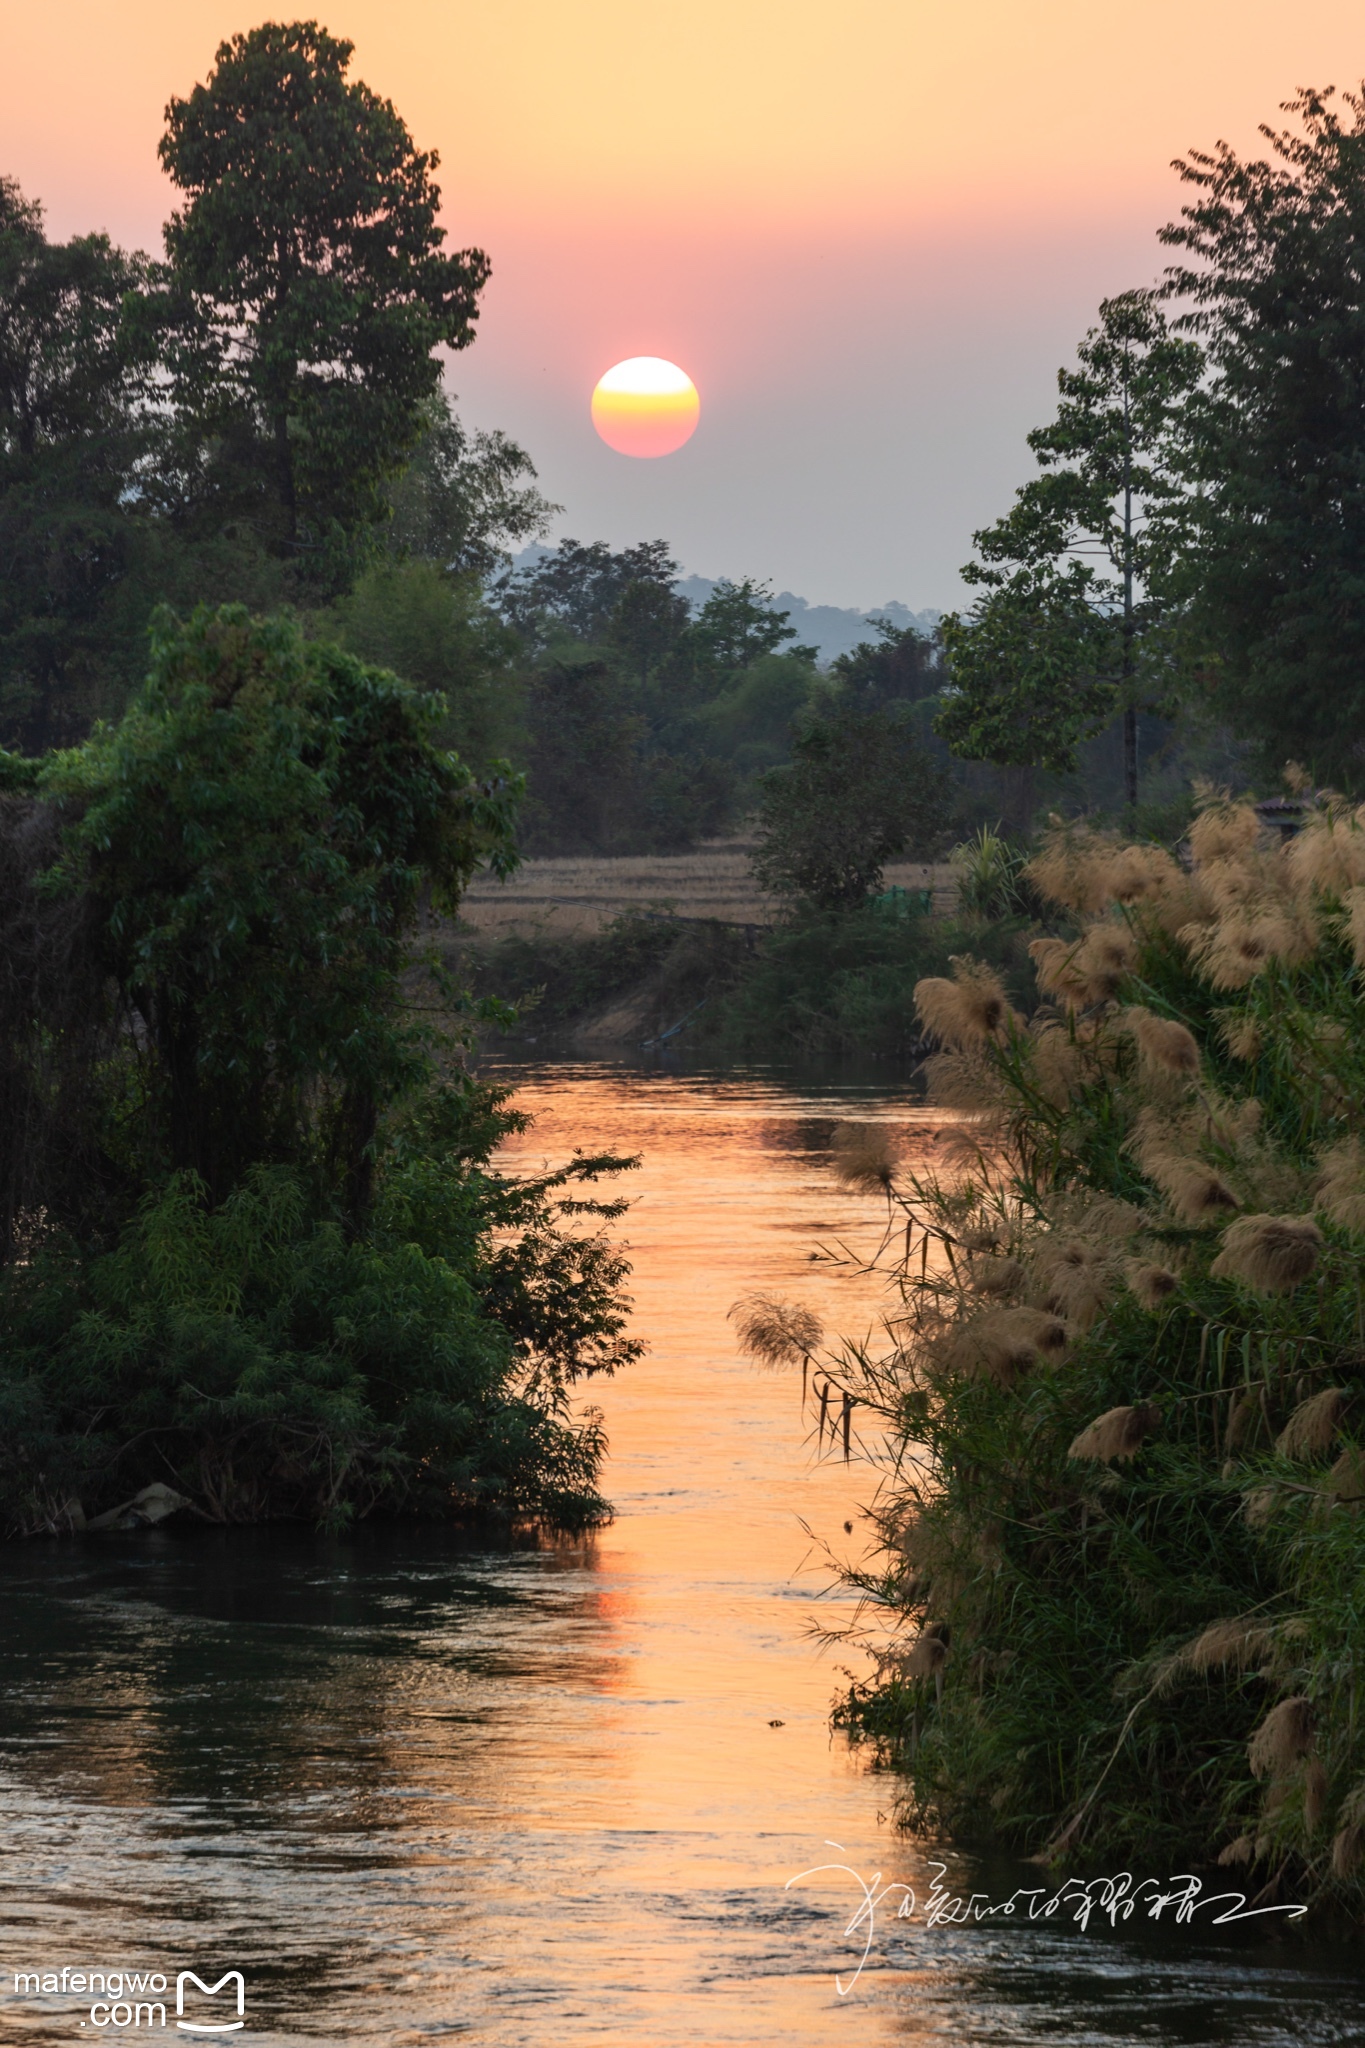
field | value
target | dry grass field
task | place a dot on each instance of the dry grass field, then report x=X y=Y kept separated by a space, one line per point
x=581 y=895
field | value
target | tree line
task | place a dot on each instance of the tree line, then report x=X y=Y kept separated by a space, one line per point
x=1192 y=548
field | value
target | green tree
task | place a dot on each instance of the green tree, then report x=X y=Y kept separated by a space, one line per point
x=464 y=498
x=1271 y=264
x=70 y=441
x=574 y=591
x=647 y=626
x=250 y=1238
x=438 y=632
x=1077 y=575
x=737 y=625
x=258 y=933
x=306 y=295
x=859 y=790
x=901 y=666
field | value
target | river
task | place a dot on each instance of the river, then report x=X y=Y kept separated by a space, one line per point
x=413 y=1786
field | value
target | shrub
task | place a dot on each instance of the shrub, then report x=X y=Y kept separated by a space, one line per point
x=1125 y=1390
x=251 y=1238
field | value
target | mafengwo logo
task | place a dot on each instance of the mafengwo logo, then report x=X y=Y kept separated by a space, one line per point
x=199 y=2025
x=128 y=1999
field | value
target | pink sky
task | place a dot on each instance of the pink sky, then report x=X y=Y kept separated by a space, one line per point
x=870 y=233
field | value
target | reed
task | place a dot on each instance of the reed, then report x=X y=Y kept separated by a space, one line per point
x=1124 y=1480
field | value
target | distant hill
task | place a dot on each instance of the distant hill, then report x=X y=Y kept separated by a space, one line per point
x=830 y=628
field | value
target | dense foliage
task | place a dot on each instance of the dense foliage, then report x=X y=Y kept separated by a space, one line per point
x=257 y=418
x=252 y=1242
x=1195 y=541
x=1068 y=630
x=305 y=293
x=1271 y=263
x=645 y=725
x=860 y=790
x=1125 y=1560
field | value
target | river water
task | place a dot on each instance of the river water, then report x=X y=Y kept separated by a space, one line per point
x=413 y=1786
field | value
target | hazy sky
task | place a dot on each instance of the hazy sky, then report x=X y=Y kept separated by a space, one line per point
x=870 y=230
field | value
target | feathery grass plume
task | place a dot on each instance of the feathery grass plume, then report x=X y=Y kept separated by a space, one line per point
x=1259 y=1507
x=1118 y=1433
x=1341 y=1184
x=1348 y=1849
x=1234 y=951
x=926 y=1655
x=1346 y=1480
x=1269 y=1254
x=1354 y=903
x=1058 y=1063
x=1056 y=972
x=1282 y=1738
x=994 y=1275
x=1223 y=831
x=959 y=1080
x=1243 y=1850
x=1229 y=1646
x=1310 y=1429
x=865 y=1155
x=1003 y=1345
x=1246 y=884
x=1074 y=868
x=1240 y=1033
x=1077 y=1280
x=982 y=1233
x=777 y=1332
x=1099 y=1218
x=1153 y=1285
x=1243 y=1415
x=1314 y=1793
x=1196 y=1191
x=1328 y=854
x=1105 y=956
x=1139 y=874
x=1162 y=1044
x=972 y=1009
x=1223 y=1646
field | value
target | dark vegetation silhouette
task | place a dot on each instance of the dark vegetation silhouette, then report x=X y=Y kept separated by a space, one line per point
x=253 y=1253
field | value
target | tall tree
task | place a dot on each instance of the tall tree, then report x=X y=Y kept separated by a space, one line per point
x=1274 y=264
x=1069 y=630
x=306 y=295
x=859 y=790
x=577 y=589
x=648 y=626
x=737 y=625
x=465 y=497
x=900 y=666
x=69 y=446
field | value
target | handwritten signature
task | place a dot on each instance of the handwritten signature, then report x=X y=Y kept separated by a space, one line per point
x=1116 y=1899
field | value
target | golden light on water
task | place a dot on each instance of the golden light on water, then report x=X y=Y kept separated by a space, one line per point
x=645 y=406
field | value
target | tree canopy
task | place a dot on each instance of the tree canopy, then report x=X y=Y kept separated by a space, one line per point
x=860 y=789
x=306 y=291
x=1074 y=575
x=1270 y=266
x=70 y=443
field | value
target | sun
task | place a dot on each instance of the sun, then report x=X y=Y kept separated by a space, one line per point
x=645 y=406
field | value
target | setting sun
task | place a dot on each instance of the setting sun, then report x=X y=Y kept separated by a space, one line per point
x=645 y=406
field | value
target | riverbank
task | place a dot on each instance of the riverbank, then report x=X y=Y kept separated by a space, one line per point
x=552 y=899
x=595 y=968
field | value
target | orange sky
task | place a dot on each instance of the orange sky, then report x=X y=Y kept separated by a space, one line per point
x=869 y=231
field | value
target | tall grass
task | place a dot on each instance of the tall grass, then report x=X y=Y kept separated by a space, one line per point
x=1120 y=1601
